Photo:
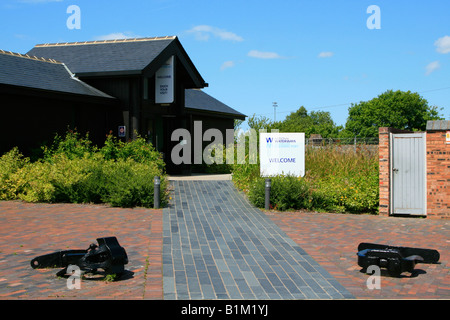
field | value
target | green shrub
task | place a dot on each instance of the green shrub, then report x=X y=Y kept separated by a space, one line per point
x=72 y=170
x=79 y=180
x=32 y=183
x=244 y=175
x=10 y=163
x=287 y=192
x=341 y=195
x=130 y=183
x=138 y=150
x=73 y=145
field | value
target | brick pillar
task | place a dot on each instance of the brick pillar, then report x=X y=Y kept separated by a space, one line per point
x=438 y=175
x=384 y=171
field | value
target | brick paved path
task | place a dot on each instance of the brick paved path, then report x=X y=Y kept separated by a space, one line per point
x=30 y=230
x=240 y=252
x=332 y=240
x=217 y=246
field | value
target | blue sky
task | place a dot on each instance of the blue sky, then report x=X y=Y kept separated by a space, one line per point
x=319 y=54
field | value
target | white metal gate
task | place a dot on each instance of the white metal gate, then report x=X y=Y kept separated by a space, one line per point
x=408 y=179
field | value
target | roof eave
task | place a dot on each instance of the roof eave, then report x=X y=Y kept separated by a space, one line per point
x=30 y=91
x=216 y=114
x=175 y=48
x=109 y=74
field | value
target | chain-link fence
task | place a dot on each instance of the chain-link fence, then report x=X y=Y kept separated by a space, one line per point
x=369 y=145
x=317 y=140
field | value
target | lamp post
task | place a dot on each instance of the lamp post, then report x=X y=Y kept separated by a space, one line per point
x=275 y=106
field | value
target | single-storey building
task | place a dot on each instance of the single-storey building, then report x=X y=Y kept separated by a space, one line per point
x=147 y=86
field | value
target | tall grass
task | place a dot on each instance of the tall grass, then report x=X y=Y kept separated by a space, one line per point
x=322 y=162
x=343 y=180
x=336 y=180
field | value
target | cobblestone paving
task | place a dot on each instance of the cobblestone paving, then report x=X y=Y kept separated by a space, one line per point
x=217 y=246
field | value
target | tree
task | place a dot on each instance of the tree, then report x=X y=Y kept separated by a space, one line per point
x=397 y=109
x=260 y=123
x=323 y=124
x=297 y=121
x=315 y=122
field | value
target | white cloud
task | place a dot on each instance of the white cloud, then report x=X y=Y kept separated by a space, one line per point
x=443 y=45
x=227 y=64
x=431 y=67
x=117 y=35
x=204 y=32
x=326 y=54
x=21 y=36
x=264 y=55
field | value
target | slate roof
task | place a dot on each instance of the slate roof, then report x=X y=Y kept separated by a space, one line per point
x=438 y=125
x=43 y=74
x=108 y=57
x=199 y=100
x=105 y=56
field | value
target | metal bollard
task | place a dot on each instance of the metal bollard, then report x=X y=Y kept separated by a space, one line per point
x=157 y=192
x=268 y=187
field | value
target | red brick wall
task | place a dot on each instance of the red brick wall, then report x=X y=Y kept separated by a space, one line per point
x=438 y=175
x=384 y=172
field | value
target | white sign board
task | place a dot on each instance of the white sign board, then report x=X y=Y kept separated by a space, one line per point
x=282 y=154
x=165 y=82
x=447 y=137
